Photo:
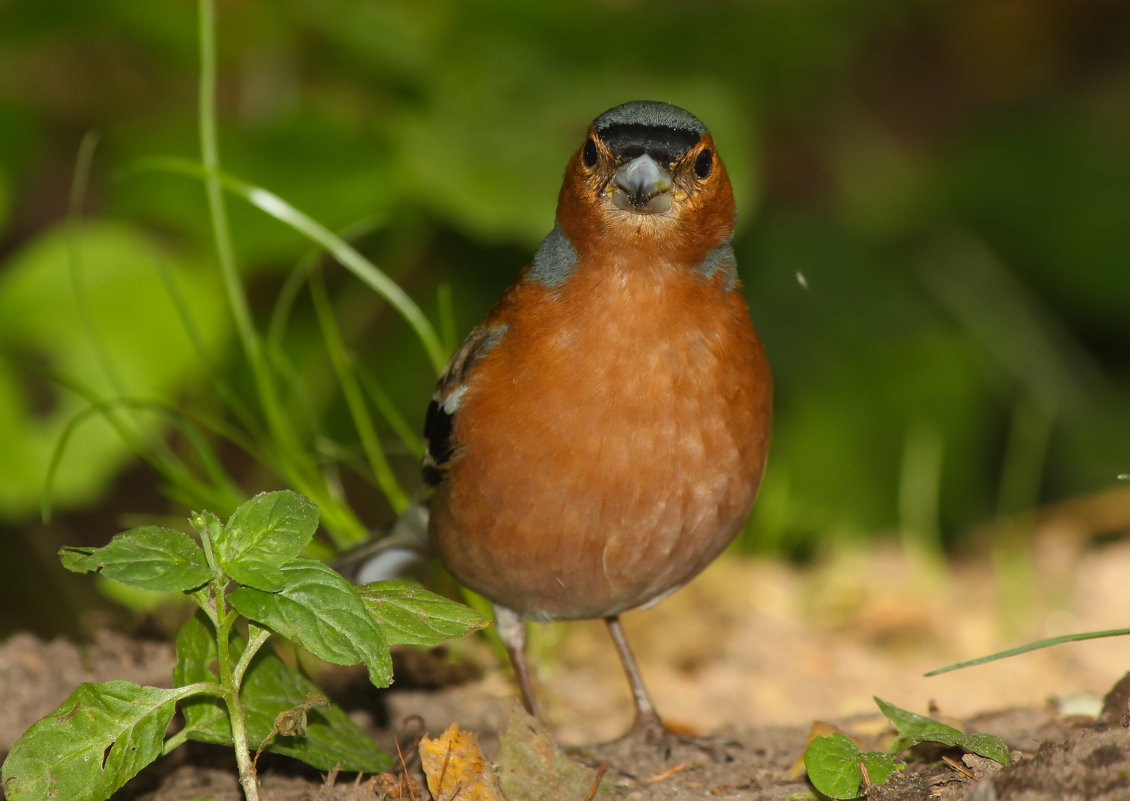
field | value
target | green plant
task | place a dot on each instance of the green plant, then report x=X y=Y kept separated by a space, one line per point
x=267 y=411
x=250 y=567
x=839 y=770
x=1038 y=644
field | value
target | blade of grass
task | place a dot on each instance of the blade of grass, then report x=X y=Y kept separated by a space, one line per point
x=213 y=424
x=919 y=488
x=446 y=308
x=342 y=252
x=222 y=493
x=221 y=235
x=1024 y=462
x=223 y=390
x=292 y=459
x=299 y=384
x=354 y=398
x=396 y=421
x=1032 y=646
x=284 y=303
x=79 y=184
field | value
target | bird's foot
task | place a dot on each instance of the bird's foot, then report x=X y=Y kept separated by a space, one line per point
x=650 y=730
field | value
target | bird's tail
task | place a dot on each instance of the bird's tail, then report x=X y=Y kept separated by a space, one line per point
x=389 y=553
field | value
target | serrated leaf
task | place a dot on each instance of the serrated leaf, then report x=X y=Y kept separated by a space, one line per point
x=321 y=611
x=833 y=766
x=271 y=528
x=253 y=573
x=152 y=558
x=96 y=741
x=410 y=615
x=270 y=687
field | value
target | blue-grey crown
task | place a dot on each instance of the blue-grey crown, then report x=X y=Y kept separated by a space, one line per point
x=650 y=114
x=664 y=131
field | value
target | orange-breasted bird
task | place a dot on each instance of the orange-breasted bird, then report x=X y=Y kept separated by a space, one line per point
x=599 y=438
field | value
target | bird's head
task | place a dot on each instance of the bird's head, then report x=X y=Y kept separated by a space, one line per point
x=647 y=173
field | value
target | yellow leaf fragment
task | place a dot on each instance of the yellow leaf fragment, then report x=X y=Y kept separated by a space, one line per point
x=456 y=768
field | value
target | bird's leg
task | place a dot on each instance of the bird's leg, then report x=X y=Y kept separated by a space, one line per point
x=647 y=723
x=512 y=632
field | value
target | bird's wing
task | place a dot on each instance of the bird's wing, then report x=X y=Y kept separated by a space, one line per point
x=448 y=395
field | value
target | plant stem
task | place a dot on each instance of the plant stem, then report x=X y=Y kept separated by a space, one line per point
x=198 y=688
x=230 y=677
x=247 y=776
x=256 y=636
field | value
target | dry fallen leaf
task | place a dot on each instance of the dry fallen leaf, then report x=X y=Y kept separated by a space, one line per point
x=456 y=769
x=533 y=768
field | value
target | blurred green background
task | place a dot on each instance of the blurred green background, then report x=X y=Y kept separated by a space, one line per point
x=934 y=240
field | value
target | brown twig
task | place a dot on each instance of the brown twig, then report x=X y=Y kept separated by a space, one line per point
x=960 y=768
x=866 y=776
x=667 y=774
x=596 y=782
x=404 y=772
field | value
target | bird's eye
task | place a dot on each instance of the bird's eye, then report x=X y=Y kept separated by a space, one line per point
x=704 y=164
x=590 y=153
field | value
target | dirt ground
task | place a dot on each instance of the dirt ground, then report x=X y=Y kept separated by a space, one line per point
x=751 y=653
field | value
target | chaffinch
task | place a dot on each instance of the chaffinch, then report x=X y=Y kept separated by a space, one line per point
x=599 y=439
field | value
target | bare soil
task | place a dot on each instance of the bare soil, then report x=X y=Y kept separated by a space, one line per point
x=751 y=654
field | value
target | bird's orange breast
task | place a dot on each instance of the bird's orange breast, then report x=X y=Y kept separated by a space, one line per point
x=609 y=446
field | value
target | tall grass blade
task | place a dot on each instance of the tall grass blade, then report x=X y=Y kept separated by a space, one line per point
x=387 y=409
x=342 y=252
x=1032 y=646
x=354 y=398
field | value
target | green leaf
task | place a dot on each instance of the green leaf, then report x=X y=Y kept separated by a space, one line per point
x=75 y=559
x=321 y=611
x=833 y=766
x=205 y=717
x=271 y=528
x=987 y=745
x=95 y=742
x=270 y=687
x=410 y=615
x=149 y=557
x=880 y=765
x=253 y=573
x=914 y=729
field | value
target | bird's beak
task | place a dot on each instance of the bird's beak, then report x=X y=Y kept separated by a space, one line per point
x=642 y=186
